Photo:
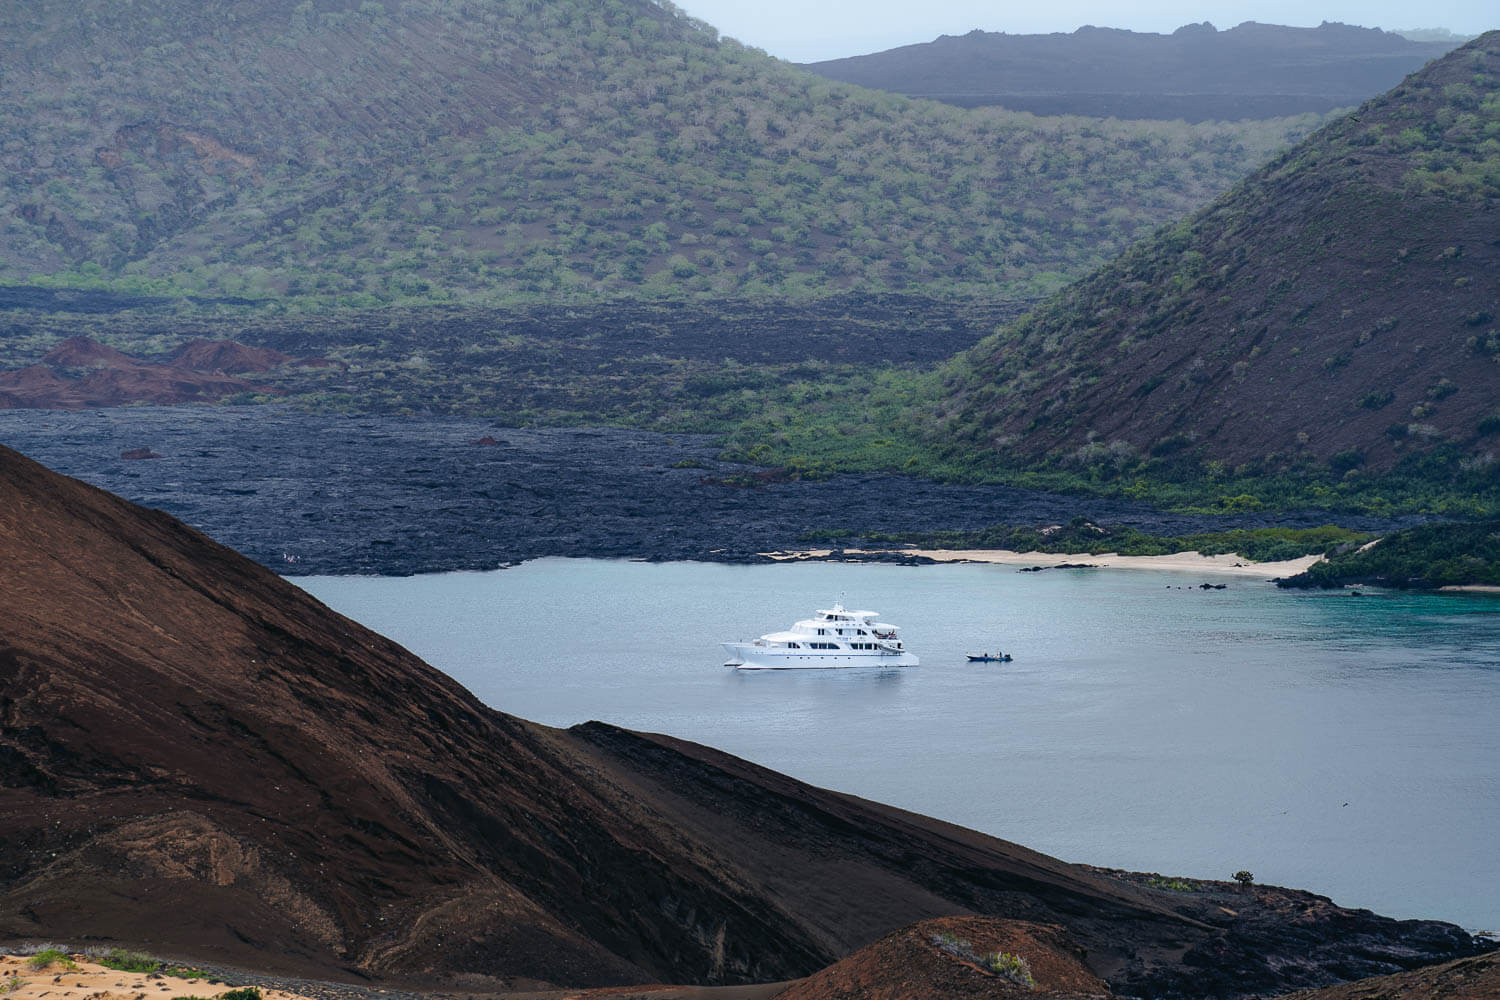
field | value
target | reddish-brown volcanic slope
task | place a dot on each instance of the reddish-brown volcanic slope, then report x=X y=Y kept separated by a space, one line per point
x=912 y=964
x=226 y=356
x=199 y=758
x=20 y=388
x=1466 y=979
x=117 y=379
x=82 y=352
x=1338 y=307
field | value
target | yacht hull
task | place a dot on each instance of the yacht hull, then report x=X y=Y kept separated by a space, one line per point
x=748 y=656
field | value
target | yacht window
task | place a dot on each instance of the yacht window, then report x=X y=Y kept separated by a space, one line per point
x=862 y=632
x=792 y=645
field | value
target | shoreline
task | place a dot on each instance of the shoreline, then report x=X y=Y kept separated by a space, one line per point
x=1227 y=564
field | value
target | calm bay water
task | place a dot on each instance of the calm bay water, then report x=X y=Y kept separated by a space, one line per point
x=1350 y=746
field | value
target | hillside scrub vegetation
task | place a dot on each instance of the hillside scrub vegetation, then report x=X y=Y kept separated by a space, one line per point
x=891 y=420
x=343 y=153
x=1083 y=536
x=1421 y=558
x=1333 y=316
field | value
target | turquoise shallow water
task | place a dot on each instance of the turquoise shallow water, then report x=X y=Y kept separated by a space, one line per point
x=1350 y=746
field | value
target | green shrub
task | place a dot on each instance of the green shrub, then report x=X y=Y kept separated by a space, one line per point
x=999 y=963
x=125 y=960
x=1486 y=345
x=1171 y=443
x=48 y=957
x=1351 y=458
x=1174 y=884
x=1012 y=967
x=243 y=993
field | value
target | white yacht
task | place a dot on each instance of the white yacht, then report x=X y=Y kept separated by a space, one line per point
x=834 y=637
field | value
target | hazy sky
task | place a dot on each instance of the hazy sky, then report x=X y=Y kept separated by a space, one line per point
x=808 y=30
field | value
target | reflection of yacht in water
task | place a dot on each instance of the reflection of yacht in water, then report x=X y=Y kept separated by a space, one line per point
x=835 y=637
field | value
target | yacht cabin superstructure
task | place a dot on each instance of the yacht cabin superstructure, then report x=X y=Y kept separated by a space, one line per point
x=834 y=637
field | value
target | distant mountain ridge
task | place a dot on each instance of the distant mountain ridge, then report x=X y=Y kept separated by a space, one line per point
x=1197 y=73
x=363 y=152
x=1336 y=311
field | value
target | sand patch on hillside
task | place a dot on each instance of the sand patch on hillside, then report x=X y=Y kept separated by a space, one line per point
x=90 y=981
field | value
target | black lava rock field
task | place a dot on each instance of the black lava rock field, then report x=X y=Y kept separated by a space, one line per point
x=318 y=494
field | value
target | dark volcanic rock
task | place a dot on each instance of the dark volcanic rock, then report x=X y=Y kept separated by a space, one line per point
x=73 y=300
x=406 y=495
x=1466 y=979
x=136 y=454
x=197 y=757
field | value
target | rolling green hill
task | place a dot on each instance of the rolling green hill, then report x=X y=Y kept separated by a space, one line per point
x=354 y=153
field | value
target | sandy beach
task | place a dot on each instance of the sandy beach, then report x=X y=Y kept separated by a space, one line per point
x=1190 y=562
x=90 y=981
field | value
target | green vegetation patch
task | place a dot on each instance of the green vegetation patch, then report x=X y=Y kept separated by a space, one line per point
x=1083 y=536
x=1421 y=558
x=1000 y=963
x=127 y=960
x=897 y=420
x=48 y=957
x=1171 y=884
